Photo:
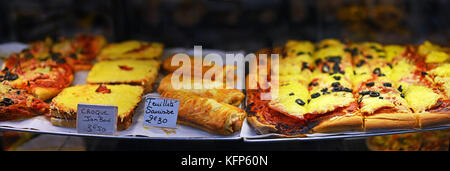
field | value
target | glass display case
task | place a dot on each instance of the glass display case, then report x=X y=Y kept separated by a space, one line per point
x=168 y=27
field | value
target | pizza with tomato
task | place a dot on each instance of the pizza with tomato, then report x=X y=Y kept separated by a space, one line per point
x=17 y=104
x=43 y=78
x=352 y=87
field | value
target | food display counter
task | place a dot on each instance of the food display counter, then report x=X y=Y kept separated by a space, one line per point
x=254 y=74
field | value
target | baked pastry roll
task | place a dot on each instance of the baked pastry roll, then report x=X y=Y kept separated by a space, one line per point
x=207 y=114
x=229 y=96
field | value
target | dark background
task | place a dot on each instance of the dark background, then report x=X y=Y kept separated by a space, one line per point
x=228 y=24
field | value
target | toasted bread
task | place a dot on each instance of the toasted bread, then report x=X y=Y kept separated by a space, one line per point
x=63 y=108
x=135 y=72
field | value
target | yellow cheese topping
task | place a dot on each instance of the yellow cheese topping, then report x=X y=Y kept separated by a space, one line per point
x=123 y=49
x=294 y=65
x=293 y=47
x=119 y=71
x=330 y=51
x=292 y=99
x=427 y=47
x=330 y=102
x=401 y=69
x=436 y=57
x=443 y=70
x=420 y=98
x=393 y=51
x=372 y=104
x=125 y=97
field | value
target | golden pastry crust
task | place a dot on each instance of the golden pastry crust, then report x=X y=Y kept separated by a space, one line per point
x=229 y=96
x=391 y=121
x=207 y=114
x=352 y=122
x=433 y=119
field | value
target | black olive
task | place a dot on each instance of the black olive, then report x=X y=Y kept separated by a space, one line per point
x=370 y=84
x=387 y=84
x=291 y=94
x=337 y=77
x=300 y=102
x=382 y=56
x=10 y=76
x=336 y=68
x=60 y=60
x=5 y=69
x=325 y=68
x=400 y=88
x=377 y=71
x=380 y=97
x=324 y=90
x=369 y=57
x=348 y=90
x=304 y=65
x=402 y=95
x=337 y=89
x=335 y=84
x=6 y=102
x=317 y=61
x=424 y=73
x=363 y=93
x=374 y=94
x=300 y=53
x=334 y=59
x=381 y=75
x=73 y=55
x=390 y=66
x=315 y=95
x=313 y=84
x=360 y=63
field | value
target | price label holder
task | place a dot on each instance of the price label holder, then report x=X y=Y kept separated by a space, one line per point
x=161 y=112
x=97 y=119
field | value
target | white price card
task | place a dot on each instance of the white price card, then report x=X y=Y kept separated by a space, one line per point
x=161 y=112
x=96 y=119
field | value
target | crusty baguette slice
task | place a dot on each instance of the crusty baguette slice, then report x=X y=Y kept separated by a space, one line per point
x=207 y=114
x=63 y=108
x=125 y=71
x=229 y=96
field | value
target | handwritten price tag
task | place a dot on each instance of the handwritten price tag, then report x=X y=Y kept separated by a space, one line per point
x=96 y=119
x=161 y=112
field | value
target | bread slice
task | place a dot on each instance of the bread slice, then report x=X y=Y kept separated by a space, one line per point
x=131 y=49
x=63 y=108
x=128 y=71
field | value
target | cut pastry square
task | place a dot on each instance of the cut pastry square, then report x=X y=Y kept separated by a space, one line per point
x=132 y=49
x=125 y=71
x=229 y=96
x=63 y=108
x=207 y=114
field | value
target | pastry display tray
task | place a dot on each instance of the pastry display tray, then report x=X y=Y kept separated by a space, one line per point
x=249 y=135
x=137 y=130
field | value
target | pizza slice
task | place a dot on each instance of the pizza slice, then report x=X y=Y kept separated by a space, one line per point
x=131 y=49
x=43 y=79
x=80 y=50
x=17 y=104
x=265 y=119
